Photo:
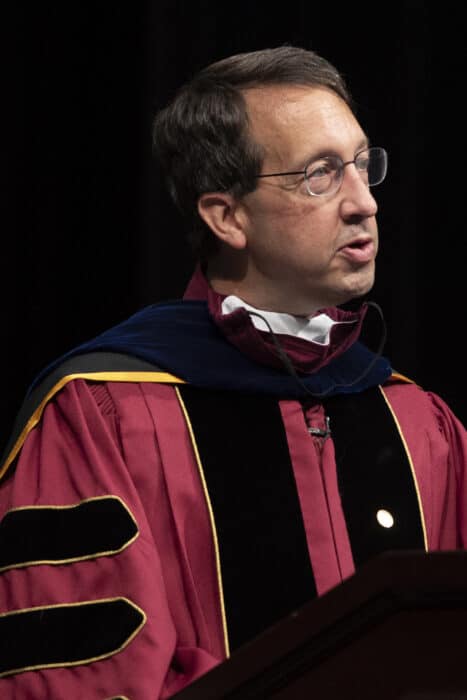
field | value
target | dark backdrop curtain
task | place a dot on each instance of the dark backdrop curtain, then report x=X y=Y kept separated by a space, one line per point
x=89 y=233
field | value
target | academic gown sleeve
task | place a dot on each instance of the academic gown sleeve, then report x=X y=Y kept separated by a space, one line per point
x=453 y=453
x=437 y=444
x=96 y=593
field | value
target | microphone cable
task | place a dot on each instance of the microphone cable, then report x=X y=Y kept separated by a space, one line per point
x=288 y=365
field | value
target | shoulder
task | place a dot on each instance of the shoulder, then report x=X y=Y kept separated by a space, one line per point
x=422 y=409
x=79 y=389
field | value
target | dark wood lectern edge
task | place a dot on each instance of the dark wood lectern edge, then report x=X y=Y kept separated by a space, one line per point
x=392 y=581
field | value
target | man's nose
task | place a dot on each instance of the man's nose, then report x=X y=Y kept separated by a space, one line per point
x=356 y=196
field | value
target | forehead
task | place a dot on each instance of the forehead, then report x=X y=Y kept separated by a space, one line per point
x=295 y=122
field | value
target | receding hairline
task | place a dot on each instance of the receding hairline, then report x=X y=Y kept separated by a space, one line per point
x=267 y=113
x=288 y=86
x=284 y=64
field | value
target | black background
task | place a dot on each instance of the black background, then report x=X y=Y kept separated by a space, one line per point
x=90 y=235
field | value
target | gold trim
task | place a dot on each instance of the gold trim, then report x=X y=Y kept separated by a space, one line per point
x=153 y=377
x=412 y=468
x=66 y=664
x=402 y=377
x=70 y=560
x=212 y=521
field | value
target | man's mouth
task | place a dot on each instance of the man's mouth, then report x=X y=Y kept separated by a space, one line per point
x=360 y=250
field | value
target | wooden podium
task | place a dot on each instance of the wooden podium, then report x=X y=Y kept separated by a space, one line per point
x=396 y=629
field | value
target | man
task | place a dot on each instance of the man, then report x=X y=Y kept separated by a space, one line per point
x=186 y=479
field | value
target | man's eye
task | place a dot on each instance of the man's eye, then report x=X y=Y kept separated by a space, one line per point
x=320 y=170
x=362 y=163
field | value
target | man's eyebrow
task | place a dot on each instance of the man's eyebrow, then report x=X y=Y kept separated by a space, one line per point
x=326 y=152
x=364 y=143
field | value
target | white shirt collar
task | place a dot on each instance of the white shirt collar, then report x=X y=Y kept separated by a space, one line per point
x=316 y=329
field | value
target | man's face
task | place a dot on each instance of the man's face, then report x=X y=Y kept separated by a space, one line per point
x=305 y=252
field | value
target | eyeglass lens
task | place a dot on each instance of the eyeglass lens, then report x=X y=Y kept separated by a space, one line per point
x=326 y=174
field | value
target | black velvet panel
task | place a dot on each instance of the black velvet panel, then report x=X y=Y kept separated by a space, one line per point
x=266 y=572
x=373 y=473
x=56 y=534
x=64 y=635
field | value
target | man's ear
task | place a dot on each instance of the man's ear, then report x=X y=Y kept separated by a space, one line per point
x=223 y=214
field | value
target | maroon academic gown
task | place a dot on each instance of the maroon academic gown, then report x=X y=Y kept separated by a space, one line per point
x=129 y=444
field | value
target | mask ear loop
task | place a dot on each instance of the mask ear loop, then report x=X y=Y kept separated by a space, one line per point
x=287 y=362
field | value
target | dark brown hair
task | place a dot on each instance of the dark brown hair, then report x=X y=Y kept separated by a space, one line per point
x=201 y=138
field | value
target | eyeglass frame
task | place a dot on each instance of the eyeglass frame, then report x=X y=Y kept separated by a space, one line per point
x=339 y=171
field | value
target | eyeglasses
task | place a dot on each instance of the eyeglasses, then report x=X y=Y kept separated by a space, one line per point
x=325 y=175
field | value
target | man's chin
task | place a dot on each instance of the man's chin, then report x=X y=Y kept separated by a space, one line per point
x=357 y=291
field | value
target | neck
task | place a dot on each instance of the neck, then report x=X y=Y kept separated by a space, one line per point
x=230 y=273
x=262 y=299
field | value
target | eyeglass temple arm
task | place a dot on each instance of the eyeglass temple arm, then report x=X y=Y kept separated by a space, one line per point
x=290 y=172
